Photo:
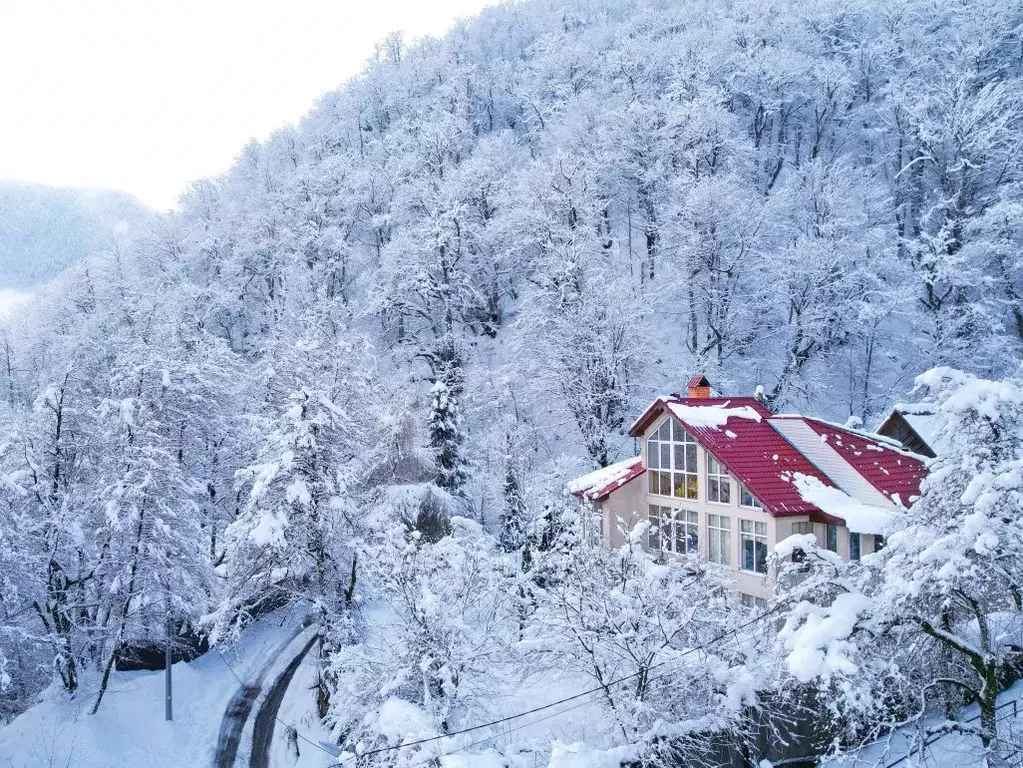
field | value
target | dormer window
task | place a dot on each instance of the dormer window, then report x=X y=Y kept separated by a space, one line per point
x=671 y=462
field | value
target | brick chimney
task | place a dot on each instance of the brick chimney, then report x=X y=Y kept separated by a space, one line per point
x=698 y=388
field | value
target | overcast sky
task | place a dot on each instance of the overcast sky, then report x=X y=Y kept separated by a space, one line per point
x=146 y=95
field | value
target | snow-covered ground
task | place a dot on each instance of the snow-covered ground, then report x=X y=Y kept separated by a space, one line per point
x=299 y=709
x=129 y=729
x=904 y=748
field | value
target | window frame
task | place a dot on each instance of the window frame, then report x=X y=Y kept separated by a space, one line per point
x=671 y=481
x=756 y=535
x=858 y=549
x=674 y=525
x=756 y=502
x=723 y=531
x=831 y=537
x=753 y=602
x=721 y=479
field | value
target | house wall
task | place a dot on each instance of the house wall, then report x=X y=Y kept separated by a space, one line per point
x=623 y=510
x=629 y=505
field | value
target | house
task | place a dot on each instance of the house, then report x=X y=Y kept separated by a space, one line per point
x=728 y=479
x=917 y=427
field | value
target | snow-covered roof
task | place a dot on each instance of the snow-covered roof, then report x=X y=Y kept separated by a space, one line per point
x=599 y=484
x=822 y=455
x=866 y=478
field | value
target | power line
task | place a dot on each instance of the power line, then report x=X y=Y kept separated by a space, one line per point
x=591 y=691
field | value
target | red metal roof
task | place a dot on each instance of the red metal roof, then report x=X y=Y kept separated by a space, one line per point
x=890 y=470
x=763 y=460
x=699 y=380
x=757 y=455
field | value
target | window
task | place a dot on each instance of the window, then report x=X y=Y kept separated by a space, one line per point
x=719 y=485
x=719 y=539
x=831 y=537
x=653 y=533
x=673 y=530
x=854 y=546
x=753 y=537
x=746 y=499
x=878 y=542
x=671 y=462
x=802 y=528
x=753 y=602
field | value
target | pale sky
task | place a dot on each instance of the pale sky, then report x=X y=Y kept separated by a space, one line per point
x=147 y=95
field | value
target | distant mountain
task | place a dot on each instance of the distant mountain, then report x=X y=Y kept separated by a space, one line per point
x=43 y=230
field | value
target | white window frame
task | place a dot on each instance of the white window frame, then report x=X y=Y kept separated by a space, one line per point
x=743 y=490
x=671 y=440
x=756 y=533
x=718 y=479
x=753 y=603
x=719 y=539
x=673 y=530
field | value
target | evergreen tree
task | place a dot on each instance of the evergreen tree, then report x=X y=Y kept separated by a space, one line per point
x=446 y=438
x=513 y=517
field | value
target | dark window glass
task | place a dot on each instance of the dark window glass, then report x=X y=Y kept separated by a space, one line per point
x=831 y=535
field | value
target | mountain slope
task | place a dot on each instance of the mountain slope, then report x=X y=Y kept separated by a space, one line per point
x=363 y=362
x=44 y=229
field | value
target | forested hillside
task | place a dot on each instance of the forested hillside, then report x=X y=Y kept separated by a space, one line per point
x=450 y=288
x=43 y=229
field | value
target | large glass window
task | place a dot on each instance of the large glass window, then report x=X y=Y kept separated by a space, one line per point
x=719 y=485
x=719 y=539
x=671 y=462
x=831 y=537
x=673 y=530
x=854 y=546
x=803 y=528
x=753 y=537
x=747 y=499
x=753 y=603
x=878 y=542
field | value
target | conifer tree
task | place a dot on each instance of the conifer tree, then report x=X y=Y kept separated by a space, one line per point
x=446 y=438
x=513 y=517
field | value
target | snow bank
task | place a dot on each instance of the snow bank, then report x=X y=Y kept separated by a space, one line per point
x=400 y=721
x=580 y=755
x=129 y=729
x=858 y=517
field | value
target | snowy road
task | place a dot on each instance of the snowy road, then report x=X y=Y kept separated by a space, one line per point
x=266 y=718
x=239 y=709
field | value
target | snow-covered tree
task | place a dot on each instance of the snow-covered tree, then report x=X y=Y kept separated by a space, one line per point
x=947 y=585
x=446 y=437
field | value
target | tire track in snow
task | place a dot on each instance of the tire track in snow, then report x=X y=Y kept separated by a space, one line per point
x=240 y=707
x=266 y=717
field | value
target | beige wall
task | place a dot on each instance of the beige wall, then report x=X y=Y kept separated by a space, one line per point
x=629 y=505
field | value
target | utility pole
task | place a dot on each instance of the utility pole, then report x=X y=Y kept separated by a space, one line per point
x=169 y=714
